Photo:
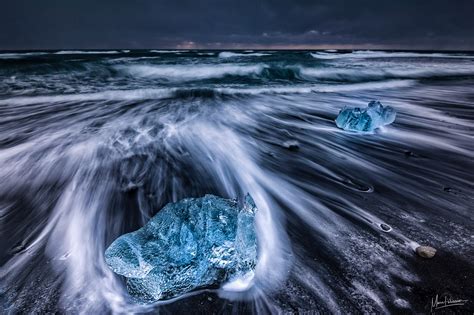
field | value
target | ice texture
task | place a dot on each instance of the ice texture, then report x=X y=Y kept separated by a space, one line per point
x=366 y=119
x=193 y=243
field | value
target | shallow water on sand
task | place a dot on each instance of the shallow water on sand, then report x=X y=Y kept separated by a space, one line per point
x=92 y=144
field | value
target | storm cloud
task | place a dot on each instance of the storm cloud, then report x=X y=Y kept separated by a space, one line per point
x=405 y=24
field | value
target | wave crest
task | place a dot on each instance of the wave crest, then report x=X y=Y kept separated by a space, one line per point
x=164 y=93
x=356 y=75
x=367 y=54
x=229 y=54
x=192 y=72
x=87 y=52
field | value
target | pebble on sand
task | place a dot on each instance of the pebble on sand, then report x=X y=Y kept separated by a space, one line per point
x=425 y=251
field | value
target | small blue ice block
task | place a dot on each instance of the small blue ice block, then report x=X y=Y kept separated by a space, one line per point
x=366 y=119
x=193 y=243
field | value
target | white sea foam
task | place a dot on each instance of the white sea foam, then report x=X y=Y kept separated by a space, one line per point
x=320 y=88
x=21 y=55
x=229 y=54
x=366 y=54
x=119 y=95
x=167 y=51
x=161 y=93
x=191 y=72
x=125 y=59
x=88 y=52
x=357 y=74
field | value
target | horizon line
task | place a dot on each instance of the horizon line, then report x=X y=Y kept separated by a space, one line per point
x=292 y=48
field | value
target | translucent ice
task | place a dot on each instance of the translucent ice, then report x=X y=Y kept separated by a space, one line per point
x=367 y=119
x=193 y=243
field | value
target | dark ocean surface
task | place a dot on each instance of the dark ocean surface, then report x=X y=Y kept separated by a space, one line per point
x=94 y=143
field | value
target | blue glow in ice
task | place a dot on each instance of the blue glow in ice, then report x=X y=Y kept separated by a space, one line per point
x=193 y=243
x=366 y=119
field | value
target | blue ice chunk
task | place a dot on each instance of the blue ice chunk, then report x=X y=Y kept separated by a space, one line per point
x=366 y=119
x=193 y=243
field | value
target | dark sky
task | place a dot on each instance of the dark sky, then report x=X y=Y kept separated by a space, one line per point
x=105 y=24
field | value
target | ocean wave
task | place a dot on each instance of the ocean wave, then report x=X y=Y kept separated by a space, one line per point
x=98 y=152
x=167 y=51
x=86 y=52
x=229 y=54
x=191 y=72
x=194 y=72
x=21 y=55
x=121 y=60
x=355 y=75
x=164 y=93
x=113 y=95
x=366 y=54
x=318 y=88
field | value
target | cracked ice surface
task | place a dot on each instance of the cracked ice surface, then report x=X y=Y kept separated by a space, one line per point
x=193 y=243
x=366 y=119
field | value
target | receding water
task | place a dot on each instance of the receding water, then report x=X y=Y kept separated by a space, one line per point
x=93 y=144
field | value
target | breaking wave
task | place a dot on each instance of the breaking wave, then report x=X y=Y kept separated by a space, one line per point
x=228 y=54
x=167 y=51
x=351 y=75
x=119 y=95
x=195 y=72
x=166 y=93
x=21 y=55
x=367 y=54
x=85 y=52
x=192 y=72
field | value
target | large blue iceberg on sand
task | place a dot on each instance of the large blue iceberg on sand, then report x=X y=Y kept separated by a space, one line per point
x=193 y=243
x=367 y=119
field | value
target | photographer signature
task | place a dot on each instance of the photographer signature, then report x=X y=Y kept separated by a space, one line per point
x=437 y=304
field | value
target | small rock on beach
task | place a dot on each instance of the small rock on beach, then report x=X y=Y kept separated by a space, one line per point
x=425 y=251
